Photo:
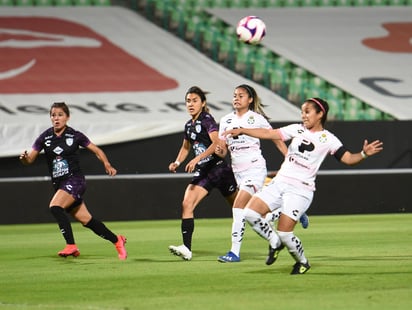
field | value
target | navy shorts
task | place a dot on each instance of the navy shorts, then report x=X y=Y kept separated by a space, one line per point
x=220 y=176
x=74 y=185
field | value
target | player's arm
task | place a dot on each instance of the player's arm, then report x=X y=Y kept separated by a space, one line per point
x=221 y=149
x=261 y=133
x=282 y=147
x=27 y=158
x=369 y=149
x=103 y=158
x=181 y=156
x=214 y=137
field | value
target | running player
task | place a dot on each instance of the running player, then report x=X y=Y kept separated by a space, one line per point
x=293 y=187
x=61 y=144
x=210 y=171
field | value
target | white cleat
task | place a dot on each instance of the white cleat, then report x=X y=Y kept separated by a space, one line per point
x=181 y=251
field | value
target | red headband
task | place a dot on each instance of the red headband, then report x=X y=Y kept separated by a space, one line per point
x=319 y=104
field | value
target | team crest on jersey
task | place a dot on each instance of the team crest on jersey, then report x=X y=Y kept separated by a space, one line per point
x=69 y=141
x=198 y=128
x=58 y=150
x=251 y=120
x=323 y=138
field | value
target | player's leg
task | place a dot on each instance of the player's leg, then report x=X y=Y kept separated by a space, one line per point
x=192 y=197
x=294 y=206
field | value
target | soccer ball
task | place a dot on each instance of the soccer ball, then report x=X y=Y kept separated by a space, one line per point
x=251 y=30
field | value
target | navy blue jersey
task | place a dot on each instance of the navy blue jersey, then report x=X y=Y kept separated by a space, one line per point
x=197 y=133
x=62 y=151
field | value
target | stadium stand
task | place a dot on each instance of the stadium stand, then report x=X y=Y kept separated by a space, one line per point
x=189 y=20
x=216 y=39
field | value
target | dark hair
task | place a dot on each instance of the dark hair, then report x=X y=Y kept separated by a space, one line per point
x=202 y=94
x=320 y=105
x=61 y=105
x=256 y=105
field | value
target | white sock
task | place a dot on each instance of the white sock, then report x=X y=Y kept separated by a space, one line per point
x=294 y=245
x=273 y=216
x=262 y=227
x=238 y=229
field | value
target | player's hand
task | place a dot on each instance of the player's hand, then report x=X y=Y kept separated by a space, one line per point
x=372 y=148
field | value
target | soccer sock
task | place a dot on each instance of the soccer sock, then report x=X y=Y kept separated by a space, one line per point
x=187 y=227
x=238 y=229
x=262 y=227
x=64 y=223
x=101 y=230
x=273 y=216
x=294 y=245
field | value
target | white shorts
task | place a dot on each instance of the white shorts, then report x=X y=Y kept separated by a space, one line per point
x=291 y=200
x=251 y=180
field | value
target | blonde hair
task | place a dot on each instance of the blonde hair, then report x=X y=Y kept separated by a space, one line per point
x=256 y=104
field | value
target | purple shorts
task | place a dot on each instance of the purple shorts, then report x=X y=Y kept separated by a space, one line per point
x=220 y=177
x=74 y=185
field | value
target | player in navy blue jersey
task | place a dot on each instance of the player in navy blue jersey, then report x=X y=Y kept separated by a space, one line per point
x=61 y=144
x=210 y=171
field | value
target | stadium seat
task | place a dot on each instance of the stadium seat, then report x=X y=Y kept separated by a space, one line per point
x=63 y=2
x=292 y=3
x=210 y=41
x=227 y=50
x=278 y=80
x=43 y=2
x=335 y=98
x=362 y=2
x=257 y=3
x=24 y=2
x=177 y=21
x=82 y=2
x=343 y=2
x=274 y=3
x=102 y=2
x=372 y=114
x=296 y=90
x=219 y=3
x=244 y=59
x=384 y=3
x=310 y=2
x=326 y=2
x=240 y=4
x=6 y=2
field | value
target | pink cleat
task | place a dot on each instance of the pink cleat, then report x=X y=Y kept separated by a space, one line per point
x=121 y=241
x=70 y=249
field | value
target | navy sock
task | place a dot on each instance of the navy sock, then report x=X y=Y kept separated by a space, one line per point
x=64 y=223
x=101 y=230
x=187 y=227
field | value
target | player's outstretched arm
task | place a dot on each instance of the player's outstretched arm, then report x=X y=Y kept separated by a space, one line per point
x=368 y=149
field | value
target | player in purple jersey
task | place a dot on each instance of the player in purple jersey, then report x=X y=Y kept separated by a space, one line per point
x=61 y=144
x=292 y=189
x=210 y=171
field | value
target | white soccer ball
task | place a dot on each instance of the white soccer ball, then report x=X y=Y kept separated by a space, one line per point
x=251 y=30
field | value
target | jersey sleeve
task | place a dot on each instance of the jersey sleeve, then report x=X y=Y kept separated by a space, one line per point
x=82 y=139
x=210 y=124
x=289 y=131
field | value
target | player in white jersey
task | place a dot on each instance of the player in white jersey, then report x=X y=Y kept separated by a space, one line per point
x=248 y=164
x=292 y=189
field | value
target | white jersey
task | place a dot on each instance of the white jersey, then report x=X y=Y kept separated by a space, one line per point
x=244 y=150
x=306 y=153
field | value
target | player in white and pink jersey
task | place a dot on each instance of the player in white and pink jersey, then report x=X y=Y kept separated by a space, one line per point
x=248 y=164
x=292 y=189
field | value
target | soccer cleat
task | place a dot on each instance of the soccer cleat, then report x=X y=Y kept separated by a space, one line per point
x=300 y=268
x=181 y=251
x=273 y=254
x=230 y=257
x=70 y=249
x=121 y=241
x=304 y=220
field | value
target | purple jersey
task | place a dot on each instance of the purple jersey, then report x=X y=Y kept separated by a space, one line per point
x=62 y=151
x=197 y=133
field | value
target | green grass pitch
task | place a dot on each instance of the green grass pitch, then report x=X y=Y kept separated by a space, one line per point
x=358 y=262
